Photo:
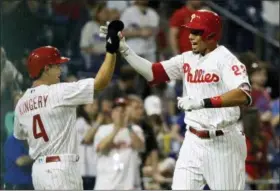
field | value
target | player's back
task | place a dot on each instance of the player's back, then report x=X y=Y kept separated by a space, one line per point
x=45 y=116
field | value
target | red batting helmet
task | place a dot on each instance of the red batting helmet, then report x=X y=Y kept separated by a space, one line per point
x=41 y=57
x=207 y=21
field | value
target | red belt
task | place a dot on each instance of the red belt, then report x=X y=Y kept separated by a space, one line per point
x=204 y=134
x=52 y=159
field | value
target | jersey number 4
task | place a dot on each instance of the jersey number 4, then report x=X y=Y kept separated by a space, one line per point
x=38 y=125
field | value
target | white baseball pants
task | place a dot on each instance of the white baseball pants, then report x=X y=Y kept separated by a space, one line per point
x=218 y=161
x=61 y=175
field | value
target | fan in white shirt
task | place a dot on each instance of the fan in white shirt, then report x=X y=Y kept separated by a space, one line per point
x=117 y=146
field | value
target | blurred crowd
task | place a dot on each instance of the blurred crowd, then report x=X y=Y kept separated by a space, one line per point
x=153 y=30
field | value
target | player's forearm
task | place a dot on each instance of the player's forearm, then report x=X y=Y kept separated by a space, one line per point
x=141 y=65
x=106 y=144
x=105 y=72
x=235 y=97
x=136 y=142
x=24 y=160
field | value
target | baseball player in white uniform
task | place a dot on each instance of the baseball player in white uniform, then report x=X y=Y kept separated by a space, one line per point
x=45 y=116
x=215 y=84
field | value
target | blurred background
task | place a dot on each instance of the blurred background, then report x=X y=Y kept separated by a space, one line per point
x=250 y=30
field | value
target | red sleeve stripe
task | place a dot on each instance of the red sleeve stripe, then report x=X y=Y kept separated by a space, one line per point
x=159 y=73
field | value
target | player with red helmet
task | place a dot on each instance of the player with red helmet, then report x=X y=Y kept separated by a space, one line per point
x=215 y=85
x=45 y=115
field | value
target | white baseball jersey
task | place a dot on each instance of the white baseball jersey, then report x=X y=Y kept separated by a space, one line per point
x=119 y=168
x=207 y=76
x=45 y=116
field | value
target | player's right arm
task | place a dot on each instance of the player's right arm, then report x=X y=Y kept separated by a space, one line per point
x=154 y=73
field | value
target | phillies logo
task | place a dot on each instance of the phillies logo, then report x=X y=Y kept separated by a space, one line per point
x=199 y=76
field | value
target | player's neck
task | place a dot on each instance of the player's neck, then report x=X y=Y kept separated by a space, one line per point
x=209 y=49
x=40 y=82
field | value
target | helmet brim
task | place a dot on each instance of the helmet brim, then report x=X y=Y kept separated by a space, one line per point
x=62 y=60
x=193 y=26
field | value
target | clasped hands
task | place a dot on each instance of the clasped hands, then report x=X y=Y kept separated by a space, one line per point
x=116 y=26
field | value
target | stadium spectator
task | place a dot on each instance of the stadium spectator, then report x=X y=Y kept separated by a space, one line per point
x=275 y=121
x=167 y=95
x=9 y=117
x=91 y=44
x=28 y=26
x=20 y=65
x=87 y=125
x=257 y=71
x=123 y=86
x=18 y=165
x=257 y=145
x=11 y=80
x=261 y=97
x=151 y=147
x=118 y=145
x=116 y=8
x=154 y=118
x=9 y=74
x=141 y=27
x=106 y=107
x=178 y=35
x=270 y=16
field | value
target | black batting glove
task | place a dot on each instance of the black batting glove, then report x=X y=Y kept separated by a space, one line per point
x=116 y=26
x=112 y=41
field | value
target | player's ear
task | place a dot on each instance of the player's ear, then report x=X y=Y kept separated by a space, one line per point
x=46 y=69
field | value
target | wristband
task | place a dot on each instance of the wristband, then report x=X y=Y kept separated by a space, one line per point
x=213 y=102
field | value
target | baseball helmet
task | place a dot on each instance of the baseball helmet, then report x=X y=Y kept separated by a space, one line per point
x=207 y=21
x=41 y=57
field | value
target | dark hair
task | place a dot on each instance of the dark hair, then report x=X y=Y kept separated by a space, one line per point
x=39 y=75
x=127 y=73
x=252 y=62
x=82 y=113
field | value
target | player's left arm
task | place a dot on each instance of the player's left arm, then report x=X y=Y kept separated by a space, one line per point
x=235 y=77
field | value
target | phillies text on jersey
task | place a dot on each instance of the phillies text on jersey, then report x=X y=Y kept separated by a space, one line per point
x=207 y=76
